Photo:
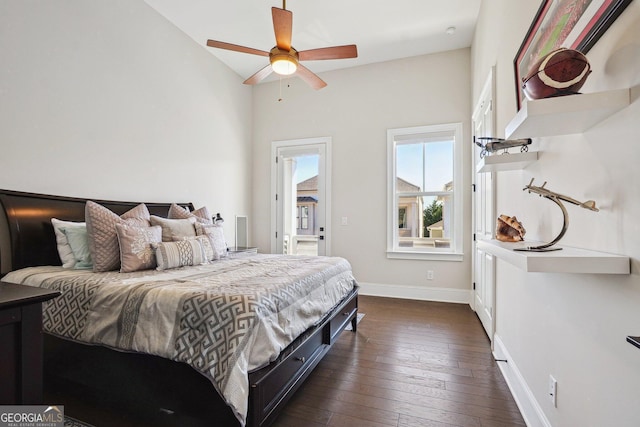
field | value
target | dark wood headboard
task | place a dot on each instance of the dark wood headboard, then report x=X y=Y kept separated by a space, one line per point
x=26 y=235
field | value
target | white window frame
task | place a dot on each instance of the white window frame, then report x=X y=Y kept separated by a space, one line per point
x=455 y=251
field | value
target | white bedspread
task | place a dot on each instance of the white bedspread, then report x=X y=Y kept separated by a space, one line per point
x=224 y=319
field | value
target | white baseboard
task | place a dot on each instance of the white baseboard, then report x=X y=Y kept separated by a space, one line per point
x=460 y=296
x=527 y=403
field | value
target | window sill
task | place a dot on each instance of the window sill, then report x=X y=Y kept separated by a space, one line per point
x=428 y=256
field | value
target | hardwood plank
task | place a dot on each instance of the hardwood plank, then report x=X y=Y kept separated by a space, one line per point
x=411 y=363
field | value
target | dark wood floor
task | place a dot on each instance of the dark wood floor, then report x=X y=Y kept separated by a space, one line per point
x=411 y=363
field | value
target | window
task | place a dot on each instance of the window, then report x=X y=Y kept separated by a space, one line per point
x=424 y=194
x=304 y=217
x=402 y=217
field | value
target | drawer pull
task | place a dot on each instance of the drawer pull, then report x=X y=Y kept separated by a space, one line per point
x=301 y=359
x=346 y=313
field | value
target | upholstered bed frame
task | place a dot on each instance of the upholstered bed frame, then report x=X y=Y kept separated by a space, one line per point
x=153 y=390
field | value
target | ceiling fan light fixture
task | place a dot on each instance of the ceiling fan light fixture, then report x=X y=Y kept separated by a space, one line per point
x=283 y=62
x=284 y=66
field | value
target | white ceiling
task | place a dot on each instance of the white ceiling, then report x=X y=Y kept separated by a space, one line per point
x=382 y=30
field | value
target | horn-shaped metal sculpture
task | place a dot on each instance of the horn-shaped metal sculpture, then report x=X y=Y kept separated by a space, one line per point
x=557 y=199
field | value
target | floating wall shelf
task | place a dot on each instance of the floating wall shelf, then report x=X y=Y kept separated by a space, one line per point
x=568 y=260
x=565 y=115
x=506 y=162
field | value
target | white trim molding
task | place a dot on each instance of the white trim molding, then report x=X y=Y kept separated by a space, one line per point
x=459 y=296
x=529 y=407
x=426 y=134
x=322 y=145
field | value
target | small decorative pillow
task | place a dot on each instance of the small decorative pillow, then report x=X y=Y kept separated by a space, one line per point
x=102 y=234
x=77 y=238
x=215 y=234
x=64 y=250
x=136 y=252
x=179 y=254
x=209 y=253
x=201 y=215
x=175 y=229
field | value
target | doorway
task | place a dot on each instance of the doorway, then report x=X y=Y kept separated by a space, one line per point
x=300 y=199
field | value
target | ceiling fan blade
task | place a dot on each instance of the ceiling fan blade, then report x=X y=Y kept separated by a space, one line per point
x=259 y=76
x=335 y=52
x=236 y=48
x=282 y=26
x=310 y=78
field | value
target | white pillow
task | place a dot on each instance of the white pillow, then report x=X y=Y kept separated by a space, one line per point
x=215 y=234
x=64 y=249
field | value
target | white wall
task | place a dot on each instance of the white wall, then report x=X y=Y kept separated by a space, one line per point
x=107 y=99
x=571 y=326
x=356 y=109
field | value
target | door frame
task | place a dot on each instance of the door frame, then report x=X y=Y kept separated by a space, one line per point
x=323 y=143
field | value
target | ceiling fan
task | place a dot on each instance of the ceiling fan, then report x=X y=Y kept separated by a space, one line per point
x=283 y=58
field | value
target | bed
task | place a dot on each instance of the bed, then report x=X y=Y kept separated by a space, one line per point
x=109 y=342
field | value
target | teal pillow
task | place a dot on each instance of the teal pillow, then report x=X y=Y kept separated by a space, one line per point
x=77 y=238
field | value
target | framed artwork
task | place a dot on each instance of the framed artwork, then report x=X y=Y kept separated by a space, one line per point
x=574 y=24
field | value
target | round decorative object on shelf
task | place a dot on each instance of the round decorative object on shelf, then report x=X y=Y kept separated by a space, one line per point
x=561 y=72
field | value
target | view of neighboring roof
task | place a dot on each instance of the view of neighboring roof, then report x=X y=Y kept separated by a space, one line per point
x=436 y=225
x=310 y=184
x=307 y=199
x=402 y=185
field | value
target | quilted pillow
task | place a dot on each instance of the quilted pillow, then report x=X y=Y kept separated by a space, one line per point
x=174 y=229
x=135 y=243
x=201 y=215
x=179 y=254
x=216 y=237
x=102 y=234
x=62 y=243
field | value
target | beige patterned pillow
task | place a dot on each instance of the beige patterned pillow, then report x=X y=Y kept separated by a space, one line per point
x=201 y=215
x=216 y=237
x=136 y=252
x=102 y=234
x=175 y=229
x=179 y=254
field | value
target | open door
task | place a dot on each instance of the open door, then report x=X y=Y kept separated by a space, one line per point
x=484 y=217
x=300 y=202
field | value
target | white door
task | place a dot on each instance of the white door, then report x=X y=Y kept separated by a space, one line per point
x=300 y=197
x=484 y=217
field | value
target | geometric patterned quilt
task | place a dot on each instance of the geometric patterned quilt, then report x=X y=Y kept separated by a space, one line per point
x=224 y=319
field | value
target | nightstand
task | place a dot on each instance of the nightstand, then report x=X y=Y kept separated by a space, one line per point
x=21 y=343
x=241 y=251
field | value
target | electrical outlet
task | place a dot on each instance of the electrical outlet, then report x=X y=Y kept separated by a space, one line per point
x=430 y=275
x=344 y=221
x=553 y=391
